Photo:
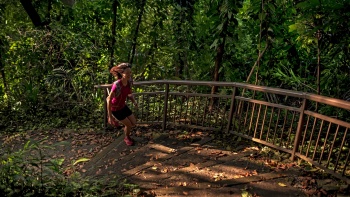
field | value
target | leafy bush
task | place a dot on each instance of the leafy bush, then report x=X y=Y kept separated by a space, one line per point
x=28 y=173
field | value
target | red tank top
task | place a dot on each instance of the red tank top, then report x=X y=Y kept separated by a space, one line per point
x=118 y=102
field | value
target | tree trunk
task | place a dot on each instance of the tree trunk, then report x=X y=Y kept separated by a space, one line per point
x=318 y=63
x=218 y=60
x=49 y=8
x=114 y=26
x=185 y=15
x=318 y=66
x=33 y=14
x=261 y=53
x=3 y=76
x=257 y=62
x=134 y=43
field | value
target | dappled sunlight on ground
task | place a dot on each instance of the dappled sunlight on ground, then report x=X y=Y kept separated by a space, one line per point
x=178 y=162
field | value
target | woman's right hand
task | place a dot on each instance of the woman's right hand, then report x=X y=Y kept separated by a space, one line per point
x=113 y=121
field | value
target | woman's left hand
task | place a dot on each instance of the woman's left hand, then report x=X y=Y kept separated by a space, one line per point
x=136 y=105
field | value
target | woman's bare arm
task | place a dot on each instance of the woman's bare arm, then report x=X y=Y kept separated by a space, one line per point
x=109 y=100
x=132 y=98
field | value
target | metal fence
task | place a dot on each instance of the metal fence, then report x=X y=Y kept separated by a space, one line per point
x=308 y=126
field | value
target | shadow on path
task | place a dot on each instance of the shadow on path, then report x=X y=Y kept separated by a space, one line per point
x=191 y=165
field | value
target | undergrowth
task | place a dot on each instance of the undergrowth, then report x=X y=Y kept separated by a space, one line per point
x=27 y=172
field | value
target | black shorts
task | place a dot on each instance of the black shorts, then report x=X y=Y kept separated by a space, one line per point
x=123 y=113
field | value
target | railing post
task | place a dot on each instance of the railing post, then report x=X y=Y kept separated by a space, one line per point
x=105 y=108
x=299 y=128
x=232 y=108
x=165 y=106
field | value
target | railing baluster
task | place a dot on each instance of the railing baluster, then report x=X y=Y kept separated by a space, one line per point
x=181 y=98
x=311 y=135
x=325 y=141
x=175 y=108
x=246 y=115
x=263 y=123
x=346 y=162
x=188 y=98
x=223 y=115
x=170 y=99
x=159 y=108
x=284 y=125
x=305 y=132
x=318 y=138
x=299 y=128
x=205 y=112
x=192 y=109
x=276 y=126
x=340 y=149
x=268 y=130
x=232 y=108
x=257 y=121
x=165 y=106
x=331 y=150
x=240 y=114
x=141 y=106
x=198 y=111
x=290 y=129
x=216 y=115
x=251 y=118
x=105 y=109
x=147 y=109
x=235 y=115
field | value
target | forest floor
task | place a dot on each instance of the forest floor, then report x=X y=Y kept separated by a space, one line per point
x=181 y=162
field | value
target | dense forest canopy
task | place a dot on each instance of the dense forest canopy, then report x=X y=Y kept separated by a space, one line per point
x=52 y=52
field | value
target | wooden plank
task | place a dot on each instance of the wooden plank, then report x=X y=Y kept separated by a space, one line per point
x=174 y=153
x=219 y=184
x=92 y=164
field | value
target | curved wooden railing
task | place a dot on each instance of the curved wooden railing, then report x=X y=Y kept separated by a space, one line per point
x=311 y=127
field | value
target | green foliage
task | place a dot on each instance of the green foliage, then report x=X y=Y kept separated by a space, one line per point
x=47 y=73
x=28 y=172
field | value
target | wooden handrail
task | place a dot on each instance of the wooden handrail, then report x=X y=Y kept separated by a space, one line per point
x=259 y=120
x=309 y=96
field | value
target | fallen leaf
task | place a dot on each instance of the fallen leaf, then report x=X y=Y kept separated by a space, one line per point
x=245 y=193
x=282 y=184
x=323 y=191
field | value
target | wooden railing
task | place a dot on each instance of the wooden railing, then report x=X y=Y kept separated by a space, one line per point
x=311 y=127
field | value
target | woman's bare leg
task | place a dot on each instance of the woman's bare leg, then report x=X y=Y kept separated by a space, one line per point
x=129 y=122
x=132 y=120
x=127 y=127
